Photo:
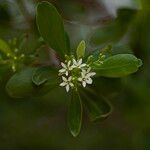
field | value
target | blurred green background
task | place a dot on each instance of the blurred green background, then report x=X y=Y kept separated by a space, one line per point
x=40 y=123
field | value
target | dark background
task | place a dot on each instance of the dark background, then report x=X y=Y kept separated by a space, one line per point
x=40 y=123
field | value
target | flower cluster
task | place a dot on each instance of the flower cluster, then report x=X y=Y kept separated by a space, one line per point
x=75 y=72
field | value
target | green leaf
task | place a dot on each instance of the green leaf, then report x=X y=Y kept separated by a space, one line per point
x=20 y=85
x=51 y=28
x=4 y=47
x=43 y=74
x=81 y=49
x=118 y=66
x=75 y=114
x=97 y=106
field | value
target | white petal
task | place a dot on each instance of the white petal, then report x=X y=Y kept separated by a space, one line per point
x=82 y=65
x=73 y=66
x=67 y=88
x=69 y=79
x=66 y=73
x=91 y=74
x=71 y=84
x=63 y=84
x=62 y=70
x=89 y=81
x=64 y=79
x=69 y=62
x=63 y=65
x=80 y=79
x=89 y=69
x=83 y=73
x=74 y=62
x=80 y=61
x=84 y=84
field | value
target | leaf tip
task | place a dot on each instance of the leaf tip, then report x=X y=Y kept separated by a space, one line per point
x=139 y=63
x=74 y=133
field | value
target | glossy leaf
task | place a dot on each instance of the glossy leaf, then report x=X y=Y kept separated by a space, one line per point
x=81 y=49
x=118 y=66
x=43 y=74
x=50 y=25
x=97 y=106
x=75 y=114
x=115 y=49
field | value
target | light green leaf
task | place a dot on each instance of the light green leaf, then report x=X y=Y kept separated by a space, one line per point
x=81 y=49
x=51 y=28
x=4 y=47
x=118 y=66
x=97 y=106
x=75 y=114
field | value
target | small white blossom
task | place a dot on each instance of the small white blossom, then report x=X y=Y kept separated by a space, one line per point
x=86 y=77
x=71 y=76
x=78 y=64
x=67 y=83
x=66 y=68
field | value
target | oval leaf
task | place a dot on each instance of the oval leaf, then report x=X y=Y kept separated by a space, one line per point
x=20 y=85
x=81 y=49
x=97 y=106
x=118 y=66
x=75 y=114
x=51 y=28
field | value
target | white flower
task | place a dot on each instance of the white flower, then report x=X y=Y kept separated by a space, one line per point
x=78 y=63
x=67 y=83
x=86 y=77
x=66 y=68
x=71 y=75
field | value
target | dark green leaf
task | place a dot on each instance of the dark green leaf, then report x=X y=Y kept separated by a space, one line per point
x=20 y=85
x=50 y=25
x=75 y=114
x=114 y=50
x=118 y=66
x=43 y=74
x=96 y=105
